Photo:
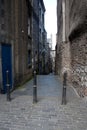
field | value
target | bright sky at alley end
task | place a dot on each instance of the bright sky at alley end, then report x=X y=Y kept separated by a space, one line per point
x=51 y=19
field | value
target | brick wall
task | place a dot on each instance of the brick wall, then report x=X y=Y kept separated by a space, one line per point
x=72 y=54
x=66 y=59
x=78 y=39
x=79 y=64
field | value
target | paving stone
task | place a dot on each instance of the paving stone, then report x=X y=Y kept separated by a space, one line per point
x=47 y=113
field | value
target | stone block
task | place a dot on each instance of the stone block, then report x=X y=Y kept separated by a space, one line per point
x=86 y=92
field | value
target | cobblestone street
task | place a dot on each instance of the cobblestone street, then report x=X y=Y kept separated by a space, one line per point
x=48 y=113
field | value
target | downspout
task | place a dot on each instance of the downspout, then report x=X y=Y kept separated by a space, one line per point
x=63 y=16
x=63 y=68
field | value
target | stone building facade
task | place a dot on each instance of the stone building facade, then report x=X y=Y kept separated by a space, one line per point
x=41 y=44
x=16 y=41
x=72 y=42
x=35 y=33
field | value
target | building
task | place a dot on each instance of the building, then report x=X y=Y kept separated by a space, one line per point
x=47 y=54
x=41 y=37
x=35 y=35
x=53 y=60
x=18 y=29
x=49 y=40
x=71 y=52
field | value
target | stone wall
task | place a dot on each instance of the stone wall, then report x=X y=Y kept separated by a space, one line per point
x=21 y=41
x=66 y=59
x=78 y=15
x=79 y=64
x=78 y=39
x=59 y=38
x=72 y=54
x=15 y=32
x=63 y=47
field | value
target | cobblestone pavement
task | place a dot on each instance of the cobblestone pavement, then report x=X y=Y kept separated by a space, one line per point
x=48 y=113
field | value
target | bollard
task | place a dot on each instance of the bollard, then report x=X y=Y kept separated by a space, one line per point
x=64 y=88
x=8 y=86
x=35 y=88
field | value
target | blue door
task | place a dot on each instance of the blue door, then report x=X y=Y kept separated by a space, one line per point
x=6 y=51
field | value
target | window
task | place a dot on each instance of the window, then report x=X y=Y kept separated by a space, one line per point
x=43 y=18
x=2 y=13
x=29 y=26
x=40 y=13
x=29 y=58
x=3 y=26
x=40 y=35
x=2 y=1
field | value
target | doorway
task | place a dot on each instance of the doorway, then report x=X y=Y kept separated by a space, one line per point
x=6 y=54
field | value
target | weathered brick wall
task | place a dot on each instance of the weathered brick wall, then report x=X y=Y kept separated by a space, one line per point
x=66 y=59
x=72 y=54
x=78 y=39
x=79 y=63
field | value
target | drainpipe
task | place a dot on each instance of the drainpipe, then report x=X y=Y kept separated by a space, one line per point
x=63 y=15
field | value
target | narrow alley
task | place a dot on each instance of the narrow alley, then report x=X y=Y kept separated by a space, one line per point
x=47 y=113
x=39 y=38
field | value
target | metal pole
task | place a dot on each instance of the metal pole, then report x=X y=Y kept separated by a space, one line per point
x=64 y=88
x=8 y=86
x=35 y=88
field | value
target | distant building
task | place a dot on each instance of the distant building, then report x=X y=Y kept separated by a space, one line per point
x=49 y=40
x=41 y=37
x=53 y=59
x=47 y=55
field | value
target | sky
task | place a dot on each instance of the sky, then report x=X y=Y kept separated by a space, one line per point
x=51 y=20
